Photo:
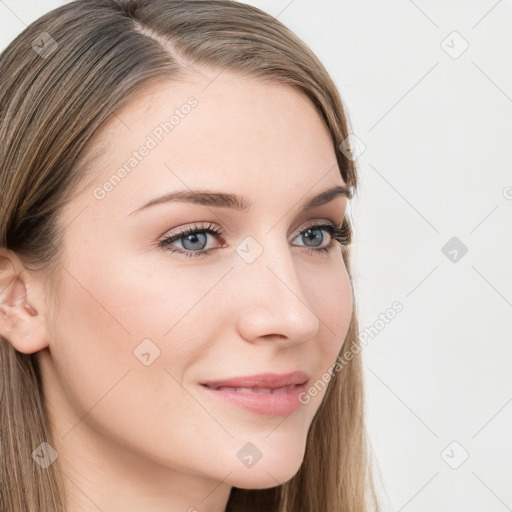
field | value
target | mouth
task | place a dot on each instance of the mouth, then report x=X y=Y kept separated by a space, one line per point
x=264 y=391
x=264 y=394
x=270 y=381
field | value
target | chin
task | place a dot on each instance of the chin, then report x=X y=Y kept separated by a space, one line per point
x=274 y=471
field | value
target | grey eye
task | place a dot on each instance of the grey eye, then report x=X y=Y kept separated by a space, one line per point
x=194 y=241
x=312 y=235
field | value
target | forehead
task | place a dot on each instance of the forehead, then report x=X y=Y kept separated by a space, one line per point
x=226 y=131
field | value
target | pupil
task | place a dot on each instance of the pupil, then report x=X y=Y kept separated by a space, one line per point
x=310 y=236
x=194 y=238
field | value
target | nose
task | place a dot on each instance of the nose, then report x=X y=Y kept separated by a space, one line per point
x=271 y=305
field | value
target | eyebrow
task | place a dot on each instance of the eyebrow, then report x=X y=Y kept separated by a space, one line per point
x=237 y=202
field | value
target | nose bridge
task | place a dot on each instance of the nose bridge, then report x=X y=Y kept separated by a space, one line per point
x=271 y=299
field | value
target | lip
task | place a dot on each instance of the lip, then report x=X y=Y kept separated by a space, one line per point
x=266 y=403
x=262 y=380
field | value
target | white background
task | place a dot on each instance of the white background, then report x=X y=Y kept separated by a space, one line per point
x=437 y=132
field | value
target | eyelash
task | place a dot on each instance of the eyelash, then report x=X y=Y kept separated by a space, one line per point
x=340 y=234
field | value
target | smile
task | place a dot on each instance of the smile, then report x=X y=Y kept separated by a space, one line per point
x=265 y=401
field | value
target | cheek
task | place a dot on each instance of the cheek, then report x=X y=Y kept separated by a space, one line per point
x=105 y=385
x=91 y=343
x=119 y=317
x=333 y=303
x=331 y=298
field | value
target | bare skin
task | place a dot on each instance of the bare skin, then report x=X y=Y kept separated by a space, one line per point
x=135 y=436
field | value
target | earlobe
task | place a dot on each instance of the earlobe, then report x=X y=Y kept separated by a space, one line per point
x=21 y=324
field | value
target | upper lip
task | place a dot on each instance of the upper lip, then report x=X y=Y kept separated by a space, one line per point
x=262 y=380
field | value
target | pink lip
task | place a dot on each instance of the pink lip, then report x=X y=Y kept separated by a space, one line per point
x=267 y=404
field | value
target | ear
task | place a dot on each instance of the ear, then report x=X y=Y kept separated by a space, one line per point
x=22 y=322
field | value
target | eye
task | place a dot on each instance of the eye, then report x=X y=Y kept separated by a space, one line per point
x=194 y=240
x=313 y=236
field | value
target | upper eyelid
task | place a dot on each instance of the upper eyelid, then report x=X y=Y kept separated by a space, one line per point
x=306 y=225
x=198 y=227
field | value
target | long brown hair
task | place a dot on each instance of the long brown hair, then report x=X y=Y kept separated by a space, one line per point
x=97 y=55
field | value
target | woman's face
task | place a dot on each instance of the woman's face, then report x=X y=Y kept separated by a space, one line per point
x=141 y=325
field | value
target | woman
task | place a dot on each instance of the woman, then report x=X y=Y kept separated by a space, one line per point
x=175 y=299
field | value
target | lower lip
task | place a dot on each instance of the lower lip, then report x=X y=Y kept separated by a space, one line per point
x=267 y=404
